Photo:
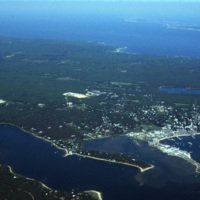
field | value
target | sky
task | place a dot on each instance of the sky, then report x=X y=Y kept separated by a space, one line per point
x=104 y=0
x=106 y=6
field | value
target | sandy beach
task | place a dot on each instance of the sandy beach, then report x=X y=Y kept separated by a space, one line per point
x=95 y=194
x=122 y=163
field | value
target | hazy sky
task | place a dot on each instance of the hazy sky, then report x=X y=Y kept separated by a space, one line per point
x=106 y=6
x=111 y=0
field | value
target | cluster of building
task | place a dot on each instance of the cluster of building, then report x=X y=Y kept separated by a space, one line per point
x=115 y=112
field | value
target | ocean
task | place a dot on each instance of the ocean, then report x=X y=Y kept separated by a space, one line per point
x=140 y=30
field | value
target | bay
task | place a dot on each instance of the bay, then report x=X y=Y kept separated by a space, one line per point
x=38 y=159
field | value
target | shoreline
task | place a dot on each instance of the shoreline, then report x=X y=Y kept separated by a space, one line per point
x=188 y=135
x=95 y=194
x=119 y=50
x=161 y=147
x=67 y=153
x=121 y=163
x=190 y=160
x=46 y=140
x=12 y=172
x=99 y=194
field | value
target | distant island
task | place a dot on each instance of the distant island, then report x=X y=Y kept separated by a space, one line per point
x=167 y=24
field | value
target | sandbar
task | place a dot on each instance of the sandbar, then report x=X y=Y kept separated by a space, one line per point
x=95 y=194
x=122 y=163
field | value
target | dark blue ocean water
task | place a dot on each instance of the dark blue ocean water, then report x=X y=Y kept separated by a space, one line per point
x=147 y=36
x=35 y=158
